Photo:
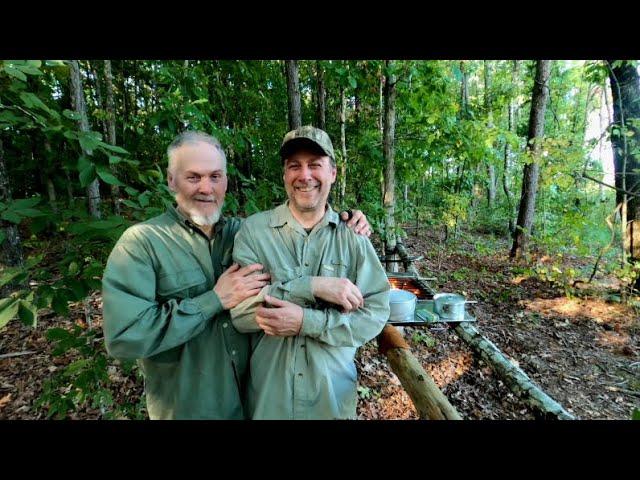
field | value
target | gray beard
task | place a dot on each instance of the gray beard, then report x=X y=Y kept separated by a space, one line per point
x=206 y=219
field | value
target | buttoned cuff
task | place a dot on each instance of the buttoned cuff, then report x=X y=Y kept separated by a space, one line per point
x=209 y=303
x=313 y=322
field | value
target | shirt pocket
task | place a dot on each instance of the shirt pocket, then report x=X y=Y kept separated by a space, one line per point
x=283 y=274
x=334 y=268
x=182 y=284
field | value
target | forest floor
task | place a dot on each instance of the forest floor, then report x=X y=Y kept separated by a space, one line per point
x=582 y=350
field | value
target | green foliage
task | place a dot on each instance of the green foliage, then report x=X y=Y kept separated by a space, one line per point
x=85 y=382
x=421 y=336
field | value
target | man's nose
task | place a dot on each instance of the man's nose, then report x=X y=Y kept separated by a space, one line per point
x=305 y=173
x=206 y=186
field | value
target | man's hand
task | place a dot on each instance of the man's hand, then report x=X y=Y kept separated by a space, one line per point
x=358 y=222
x=237 y=284
x=283 y=320
x=339 y=291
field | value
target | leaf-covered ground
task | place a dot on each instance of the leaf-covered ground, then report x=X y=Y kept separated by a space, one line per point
x=582 y=351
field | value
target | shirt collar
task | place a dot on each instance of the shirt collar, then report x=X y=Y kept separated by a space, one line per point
x=282 y=215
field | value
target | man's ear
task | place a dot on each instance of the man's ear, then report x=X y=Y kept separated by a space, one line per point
x=171 y=181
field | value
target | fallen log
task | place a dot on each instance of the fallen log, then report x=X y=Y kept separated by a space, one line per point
x=429 y=401
x=518 y=381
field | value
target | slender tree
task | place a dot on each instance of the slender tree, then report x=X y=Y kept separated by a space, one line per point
x=321 y=95
x=491 y=183
x=293 y=90
x=388 y=146
x=79 y=105
x=343 y=143
x=11 y=246
x=539 y=99
x=111 y=126
x=625 y=95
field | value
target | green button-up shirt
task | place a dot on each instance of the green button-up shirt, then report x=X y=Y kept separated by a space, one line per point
x=311 y=375
x=160 y=308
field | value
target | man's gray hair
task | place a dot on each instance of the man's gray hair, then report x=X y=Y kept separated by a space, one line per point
x=193 y=137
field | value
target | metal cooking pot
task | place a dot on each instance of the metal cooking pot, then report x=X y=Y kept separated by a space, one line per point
x=402 y=305
x=450 y=306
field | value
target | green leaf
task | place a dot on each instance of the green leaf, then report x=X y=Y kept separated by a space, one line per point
x=29 y=69
x=54 y=63
x=2 y=236
x=107 y=224
x=636 y=414
x=15 y=73
x=113 y=148
x=202 y=100
x=25 y=203
x=9 y=274
x=83 y=163
x=87 y=175
x=352 y=82
x=58 y=334
x=75 y=367
x=114 y=160
x=89 y=140
x=28 y=313
x=30 y=212
x=8 y=309
x=31 y=100
x=78 y=288
x=59 y=302
x=11 y=216
x=108 y=177
x=73 y=268
x=71 y=114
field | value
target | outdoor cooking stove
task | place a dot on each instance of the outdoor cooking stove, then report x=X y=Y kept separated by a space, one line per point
x=424 y=313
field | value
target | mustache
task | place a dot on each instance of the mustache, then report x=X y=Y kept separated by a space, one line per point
x=206 y=198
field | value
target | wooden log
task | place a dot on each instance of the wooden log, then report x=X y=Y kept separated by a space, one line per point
x=518 y=381
x=429 y=401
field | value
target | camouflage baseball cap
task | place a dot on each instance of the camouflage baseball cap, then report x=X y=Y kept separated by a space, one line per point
x=307 y=136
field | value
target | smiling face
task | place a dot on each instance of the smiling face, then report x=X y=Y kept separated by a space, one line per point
x=308 y=178
x=198 y=177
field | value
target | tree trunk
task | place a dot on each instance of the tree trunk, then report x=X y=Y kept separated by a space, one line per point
x=512 y=127
x=625 y=95
x=293 y=90
x=51 y=191
x=429 y=401
x=321 y=95
x=77 y=100
x=11 y=246
x=381 y=106
x=464 y=90
x=388 y=152
x=531 y=172
x=343 y=144
x=491 y=187
x=514 y=377
x=111 y=127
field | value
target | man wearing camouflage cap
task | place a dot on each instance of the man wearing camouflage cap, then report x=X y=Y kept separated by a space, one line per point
x=328 y=293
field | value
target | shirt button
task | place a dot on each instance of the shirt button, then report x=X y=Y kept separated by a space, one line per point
x=299 y=374
x=233 y=352
x=224 y=325
x=306 y=264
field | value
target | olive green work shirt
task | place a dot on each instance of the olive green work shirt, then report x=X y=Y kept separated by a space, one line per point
x=311 y=375
x=160 y=308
